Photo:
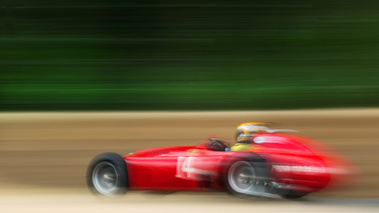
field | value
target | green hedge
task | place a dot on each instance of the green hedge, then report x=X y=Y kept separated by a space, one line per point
x=183 y=55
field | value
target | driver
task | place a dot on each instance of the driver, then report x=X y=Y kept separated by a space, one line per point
x=250 y=128
x=243 y=143
x=245 y=133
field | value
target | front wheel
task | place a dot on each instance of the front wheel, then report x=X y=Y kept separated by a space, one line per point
x=107 y=175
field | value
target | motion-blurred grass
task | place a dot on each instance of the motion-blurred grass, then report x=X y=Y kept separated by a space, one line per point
x=83 y=55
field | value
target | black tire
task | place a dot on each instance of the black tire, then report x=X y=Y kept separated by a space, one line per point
x=247 y=177
x=292 y=195
x=107 y=175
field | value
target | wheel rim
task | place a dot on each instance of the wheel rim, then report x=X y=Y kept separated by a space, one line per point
x=242 y=177
x=104 y=178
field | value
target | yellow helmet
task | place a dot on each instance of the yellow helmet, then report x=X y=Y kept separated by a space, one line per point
x=249 y=128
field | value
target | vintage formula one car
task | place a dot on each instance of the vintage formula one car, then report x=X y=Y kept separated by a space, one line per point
x=271 y=163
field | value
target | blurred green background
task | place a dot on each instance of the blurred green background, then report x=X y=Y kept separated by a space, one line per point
x=188 y=55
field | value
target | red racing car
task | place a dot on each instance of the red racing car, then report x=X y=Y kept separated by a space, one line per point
x=270 y=163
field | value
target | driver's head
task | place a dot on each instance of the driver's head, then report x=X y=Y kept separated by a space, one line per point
x=250 y=128
x=245 y=139
x=243 y=143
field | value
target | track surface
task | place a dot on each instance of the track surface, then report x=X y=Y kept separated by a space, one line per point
x=179 y=202
x=43 y=158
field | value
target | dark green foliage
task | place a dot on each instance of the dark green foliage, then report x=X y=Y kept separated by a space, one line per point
x=183 y=55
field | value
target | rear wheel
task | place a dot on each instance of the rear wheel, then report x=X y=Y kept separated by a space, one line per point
x=107 y=175
x=248 y=178
x=293 y=195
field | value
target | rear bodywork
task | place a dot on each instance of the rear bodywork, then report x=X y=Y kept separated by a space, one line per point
x=292 y=163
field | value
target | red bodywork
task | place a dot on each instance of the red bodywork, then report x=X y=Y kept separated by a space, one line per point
x=293 y=162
